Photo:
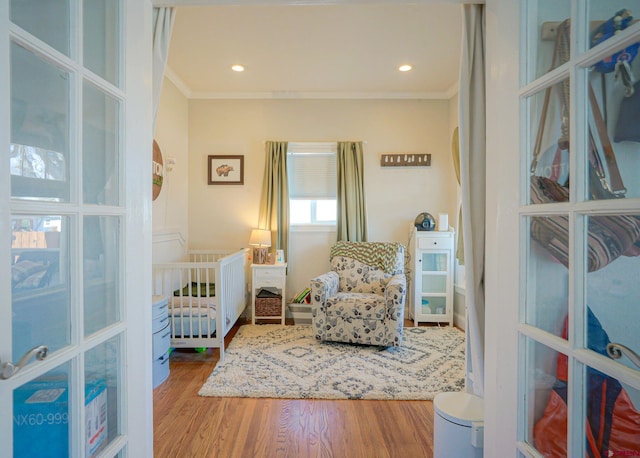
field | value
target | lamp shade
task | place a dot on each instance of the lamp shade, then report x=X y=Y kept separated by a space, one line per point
x=260 y=237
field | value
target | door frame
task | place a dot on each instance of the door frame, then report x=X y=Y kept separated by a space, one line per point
x=503 y=30
x=138 y=421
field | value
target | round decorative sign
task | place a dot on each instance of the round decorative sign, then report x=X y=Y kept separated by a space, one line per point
x=158 y=170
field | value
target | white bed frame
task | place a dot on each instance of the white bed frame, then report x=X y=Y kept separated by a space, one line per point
x=192 y=310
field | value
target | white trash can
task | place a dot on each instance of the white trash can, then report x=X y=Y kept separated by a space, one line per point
x=458 y=426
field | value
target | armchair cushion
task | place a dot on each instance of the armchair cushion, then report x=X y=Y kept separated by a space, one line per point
x=358 y=277
x=356 y=305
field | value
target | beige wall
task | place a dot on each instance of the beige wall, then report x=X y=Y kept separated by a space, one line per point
x=222 y=216
x=170 y=210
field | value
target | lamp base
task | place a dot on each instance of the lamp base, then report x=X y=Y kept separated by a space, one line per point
x=260 y=255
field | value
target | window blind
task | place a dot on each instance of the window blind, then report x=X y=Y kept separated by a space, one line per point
x=312 y=170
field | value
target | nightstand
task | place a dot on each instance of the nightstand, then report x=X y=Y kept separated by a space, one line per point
x=268 y=290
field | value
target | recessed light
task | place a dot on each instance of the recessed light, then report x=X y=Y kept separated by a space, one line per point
x=404 y=68
x=237 y=68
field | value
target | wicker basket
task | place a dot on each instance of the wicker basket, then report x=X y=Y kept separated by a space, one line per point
x=268 y=306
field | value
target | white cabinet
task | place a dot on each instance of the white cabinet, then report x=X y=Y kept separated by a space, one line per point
x=432 y=277
x=268 y=291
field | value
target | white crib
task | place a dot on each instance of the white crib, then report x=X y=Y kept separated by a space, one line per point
x=206 y=296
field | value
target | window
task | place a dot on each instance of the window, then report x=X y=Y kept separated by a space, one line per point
x=312 y=183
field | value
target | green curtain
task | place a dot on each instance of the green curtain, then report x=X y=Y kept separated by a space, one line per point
x=352 y=211
x=274 y=203
x=455 y=152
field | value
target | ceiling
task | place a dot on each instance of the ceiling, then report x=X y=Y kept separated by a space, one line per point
x=316 y=51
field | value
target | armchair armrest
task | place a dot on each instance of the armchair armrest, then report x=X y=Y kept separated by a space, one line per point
x=394 y=295
x=323 y=286
x=326 y=285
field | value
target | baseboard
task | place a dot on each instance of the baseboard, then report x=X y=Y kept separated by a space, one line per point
x=300 y=313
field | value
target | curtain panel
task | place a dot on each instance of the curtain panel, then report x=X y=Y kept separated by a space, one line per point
x=274 y=202
x=351 y=205
x=472 y=131
x=163 y=19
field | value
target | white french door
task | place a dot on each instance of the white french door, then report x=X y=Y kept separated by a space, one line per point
x=75 y=135
x=577 y=299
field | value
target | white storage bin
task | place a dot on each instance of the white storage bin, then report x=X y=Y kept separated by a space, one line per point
x=458 y=425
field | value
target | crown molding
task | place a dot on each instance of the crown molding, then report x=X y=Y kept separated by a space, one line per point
x=452 y=91
x=170 y=3
x=178 y=82
x=323 y=95
x=305 y=95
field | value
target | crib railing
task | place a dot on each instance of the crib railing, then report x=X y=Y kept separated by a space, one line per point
x=211 y=279
x=233 y=282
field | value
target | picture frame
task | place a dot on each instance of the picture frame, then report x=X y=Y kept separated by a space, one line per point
x=225 y=169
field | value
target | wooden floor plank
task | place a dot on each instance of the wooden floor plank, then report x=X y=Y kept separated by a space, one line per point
x=187 y=425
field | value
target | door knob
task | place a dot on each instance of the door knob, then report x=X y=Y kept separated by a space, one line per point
x=616 y=350
x=9 y=369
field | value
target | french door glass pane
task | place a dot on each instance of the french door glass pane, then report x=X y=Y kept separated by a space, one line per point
x=550 y=124
x=610 y=17
x=40 y=282
x=101 y=38
x=613 y=80
x=545 y=393
x=101 y=262
x=547 y=279
x=39 y=151
x=49 y=21
x=102 y=395
x=613 y=291
x=613 y=416
x=614 y=135
x=41 y=416
x=100 y=147
x=550 y=14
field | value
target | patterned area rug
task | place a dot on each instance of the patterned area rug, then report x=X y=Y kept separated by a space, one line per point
x=275 y=361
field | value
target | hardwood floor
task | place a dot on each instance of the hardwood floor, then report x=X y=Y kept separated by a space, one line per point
x=187 y=425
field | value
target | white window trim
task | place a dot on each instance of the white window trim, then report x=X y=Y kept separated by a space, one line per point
x=313 y=228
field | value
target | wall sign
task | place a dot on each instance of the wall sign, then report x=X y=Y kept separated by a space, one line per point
x=405 y=160
x=158 y=170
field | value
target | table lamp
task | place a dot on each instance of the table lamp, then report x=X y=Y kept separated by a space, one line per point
x=260 y=239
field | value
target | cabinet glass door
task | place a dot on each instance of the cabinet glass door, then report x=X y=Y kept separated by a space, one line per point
x=434 y=283
x=434 y=262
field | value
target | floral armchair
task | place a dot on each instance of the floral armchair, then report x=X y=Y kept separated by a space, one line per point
x=361 y=300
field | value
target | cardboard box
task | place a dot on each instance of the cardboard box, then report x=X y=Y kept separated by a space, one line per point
x=95 y=414
x=41 y=418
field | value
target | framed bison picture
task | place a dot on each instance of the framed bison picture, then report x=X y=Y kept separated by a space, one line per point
x=226 y=170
